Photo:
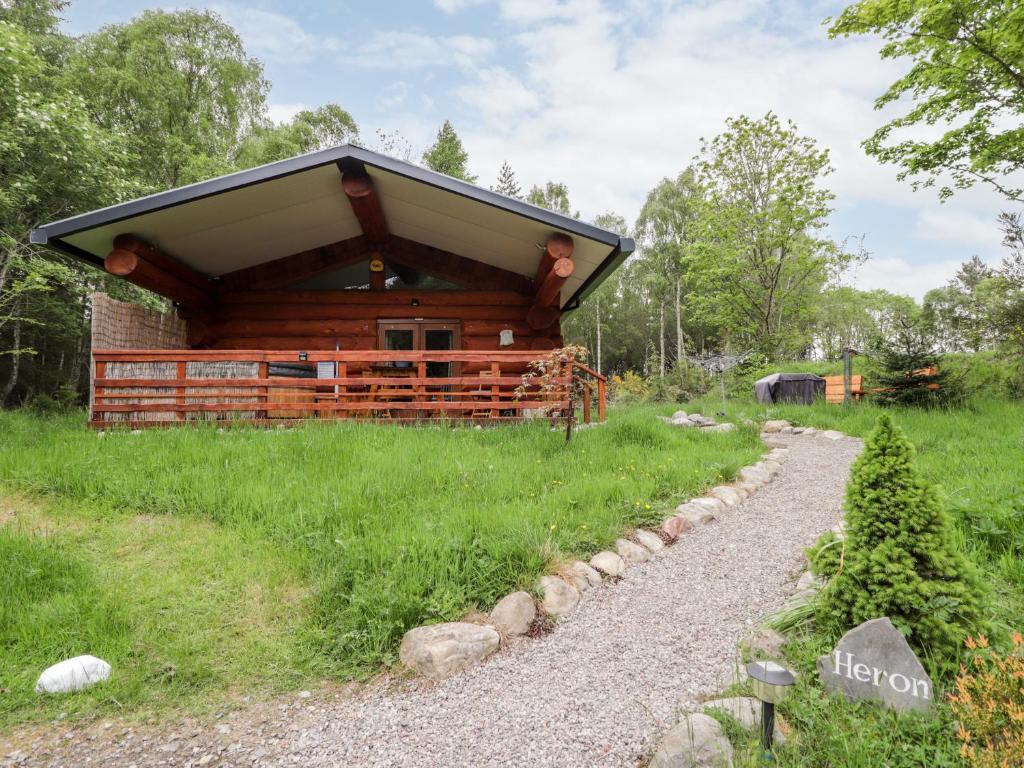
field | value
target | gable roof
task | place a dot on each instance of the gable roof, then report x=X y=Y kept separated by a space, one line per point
x=265 y=213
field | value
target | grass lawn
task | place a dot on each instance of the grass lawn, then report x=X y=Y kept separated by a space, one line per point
x=199 y=563
x=975 y=455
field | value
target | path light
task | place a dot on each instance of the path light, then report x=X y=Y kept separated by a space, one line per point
x=770 y=683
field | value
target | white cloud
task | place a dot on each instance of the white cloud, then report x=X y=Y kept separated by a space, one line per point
x=274 y=36
x=959 y=226
x=454 y=6
x=610 y=102
x=282 y=113
x=413 y=50
x=901 y=277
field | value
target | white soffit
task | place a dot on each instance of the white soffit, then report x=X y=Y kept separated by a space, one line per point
x=263 y=219
x=246 y=226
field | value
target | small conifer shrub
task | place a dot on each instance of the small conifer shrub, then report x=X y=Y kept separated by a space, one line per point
x=899 y=559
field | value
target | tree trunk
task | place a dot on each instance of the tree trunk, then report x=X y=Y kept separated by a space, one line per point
x=12 y=381
x=597 y=309
x=661 y=334
x=679 y=327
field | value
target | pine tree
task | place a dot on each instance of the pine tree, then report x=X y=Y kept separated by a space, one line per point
x=910 y=373
x=447 y=155
x=508 y=184
x=900 y=560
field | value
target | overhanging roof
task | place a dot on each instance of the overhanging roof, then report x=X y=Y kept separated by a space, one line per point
x=265 y=213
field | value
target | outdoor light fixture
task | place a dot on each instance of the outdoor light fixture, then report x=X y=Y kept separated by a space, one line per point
x=770 y=683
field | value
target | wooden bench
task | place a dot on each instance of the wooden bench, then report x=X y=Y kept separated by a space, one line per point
x=834 y=391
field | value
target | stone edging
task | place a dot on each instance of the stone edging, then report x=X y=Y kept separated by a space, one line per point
x=439 y=650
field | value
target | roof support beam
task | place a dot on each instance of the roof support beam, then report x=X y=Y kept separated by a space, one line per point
x=145 y=265
x=556 y=266
x=365 y=202
x=544 y=310
x=288 y=270
x=454 y=268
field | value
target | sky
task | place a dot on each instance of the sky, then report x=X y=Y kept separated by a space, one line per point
x=609 y=98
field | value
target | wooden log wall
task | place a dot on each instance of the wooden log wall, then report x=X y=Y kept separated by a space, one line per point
x=310 y=320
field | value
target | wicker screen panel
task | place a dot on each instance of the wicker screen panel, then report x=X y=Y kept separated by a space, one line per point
x=122 y=325
x=221 y=370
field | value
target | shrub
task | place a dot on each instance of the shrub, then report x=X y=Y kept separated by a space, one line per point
x=910 y=373
x=900 y=561
x=989 y=703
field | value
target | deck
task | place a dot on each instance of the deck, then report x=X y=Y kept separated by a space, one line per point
x=147 y=387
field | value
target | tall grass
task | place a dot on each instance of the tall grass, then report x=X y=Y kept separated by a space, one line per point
x=386 y=527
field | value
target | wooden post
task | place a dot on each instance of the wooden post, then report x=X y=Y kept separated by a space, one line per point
x=180 y=399
x=495 y=388
x=263 y=392
x=586 y=403
x=847 y=375
x=600 y=399
x=101 y=372
x=421 y=388
x=341 y=371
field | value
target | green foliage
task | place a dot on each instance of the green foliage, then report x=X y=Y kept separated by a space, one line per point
x=910 y=372
x=761 y=259
x=966 y=76
x=50 y=609
x=178 y=85
x=308 y=131
x=554 y=196
x=826 y=556
x=216 y=528
x=900 y=559
x=446 y=155
x=508 y=184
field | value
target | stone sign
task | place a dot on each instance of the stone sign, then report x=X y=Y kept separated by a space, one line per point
x=873 y=662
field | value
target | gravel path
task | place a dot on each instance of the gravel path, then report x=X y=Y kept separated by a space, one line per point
x=599 y=690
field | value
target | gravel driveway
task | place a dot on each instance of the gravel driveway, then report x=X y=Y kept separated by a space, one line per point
x=597 y=691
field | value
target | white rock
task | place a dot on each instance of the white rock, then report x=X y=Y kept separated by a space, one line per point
x=682 y=423
x=772 y=466
x=631 y=553
x=560 y=597
x=774 y=425
x=810 y=431
x=754 y=475
x=746 y=710
x=711 y=504
x=695 y=742
x=832 y=434
x=727 y=495
x=701 y=421
x=439 y=650
x=764 y=643
x=679 y=415
x=585 y=572
x=726 y=427
x=73 y=675
x=747 y=488
x=778 y=454
x=514 y=613
x=786 y=430
x=651 y=541
x=798 y=430
x=695 y=515
x=609 y=563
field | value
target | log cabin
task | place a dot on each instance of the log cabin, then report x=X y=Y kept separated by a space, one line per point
x=339 y=284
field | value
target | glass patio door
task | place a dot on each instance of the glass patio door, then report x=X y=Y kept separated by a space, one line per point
x=421 y=335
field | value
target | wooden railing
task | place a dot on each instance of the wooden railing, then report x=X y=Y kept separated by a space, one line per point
x=142 y=388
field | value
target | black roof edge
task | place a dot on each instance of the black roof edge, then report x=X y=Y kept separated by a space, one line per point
x=333 y=155
x=619 y=254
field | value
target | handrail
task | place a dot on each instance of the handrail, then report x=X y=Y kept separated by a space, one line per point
x=180 y=385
